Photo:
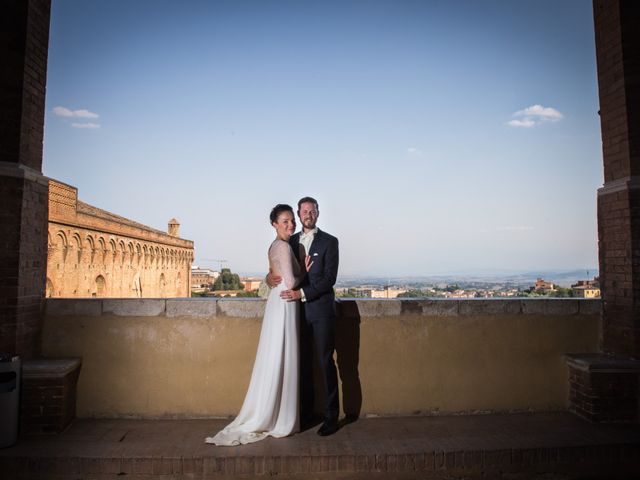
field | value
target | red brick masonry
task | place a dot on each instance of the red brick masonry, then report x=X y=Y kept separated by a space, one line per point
x=48 y=396
x=603 y=388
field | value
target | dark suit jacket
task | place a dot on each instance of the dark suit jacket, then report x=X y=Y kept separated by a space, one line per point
x=319 y=281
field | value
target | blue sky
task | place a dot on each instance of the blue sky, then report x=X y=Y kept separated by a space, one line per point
x=437 y=136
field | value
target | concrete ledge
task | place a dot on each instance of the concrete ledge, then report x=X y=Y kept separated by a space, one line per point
x=553 y=306
x=489 y=307
x=590 y=307
x=434 y=307
x=254 y=307
x=379 y=308
x=245 y=308
x=191 y=307
x=50 y=367
x=600 y=362
x=134 y=307
x=73 y=306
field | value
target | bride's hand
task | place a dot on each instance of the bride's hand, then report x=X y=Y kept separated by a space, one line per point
x=307 y=263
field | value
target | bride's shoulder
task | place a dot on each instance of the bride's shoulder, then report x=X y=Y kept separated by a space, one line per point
x=279 y=245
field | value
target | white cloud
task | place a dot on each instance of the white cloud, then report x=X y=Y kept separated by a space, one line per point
x=539 y=111
x=67 y=113
x=85 y=125
x=414 y=152
x=526 y=123
x=535 y=115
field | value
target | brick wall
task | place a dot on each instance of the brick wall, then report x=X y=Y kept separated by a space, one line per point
x=23 y=190
x=603 y=389
x=617 y=49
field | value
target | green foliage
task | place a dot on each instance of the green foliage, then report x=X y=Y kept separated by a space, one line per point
x=412 y=294
x=561 y=292
x=248 y=294
x=198 y=294
x=227 y=281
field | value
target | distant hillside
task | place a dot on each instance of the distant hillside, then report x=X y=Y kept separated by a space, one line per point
x=564 y=278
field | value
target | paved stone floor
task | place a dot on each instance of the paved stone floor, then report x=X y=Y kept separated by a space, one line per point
x=545 y=446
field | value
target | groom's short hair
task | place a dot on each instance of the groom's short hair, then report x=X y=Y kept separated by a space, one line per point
x=307 y=200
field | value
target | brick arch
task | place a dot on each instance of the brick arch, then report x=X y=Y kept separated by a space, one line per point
x=130 y=251
x=77 y=244
x=63 y=237
x=77 y=240
x=102 y=249
x=89 y=247
x=138 y=253
x=145 y=253
x=90 y=241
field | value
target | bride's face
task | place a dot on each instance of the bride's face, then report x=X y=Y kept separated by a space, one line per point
x=285 y=225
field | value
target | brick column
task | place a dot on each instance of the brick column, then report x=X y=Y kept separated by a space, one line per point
x=23 y=189
x=618 y=58
x=604 y=387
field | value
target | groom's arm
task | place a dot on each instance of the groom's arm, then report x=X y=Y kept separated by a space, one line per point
x=320 y=285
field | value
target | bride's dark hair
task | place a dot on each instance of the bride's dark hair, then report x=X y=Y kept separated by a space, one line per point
x=278 y=209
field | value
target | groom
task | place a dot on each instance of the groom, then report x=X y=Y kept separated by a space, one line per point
x=317 y=313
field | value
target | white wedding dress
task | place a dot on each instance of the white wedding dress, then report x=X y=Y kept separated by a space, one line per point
x=270 y=407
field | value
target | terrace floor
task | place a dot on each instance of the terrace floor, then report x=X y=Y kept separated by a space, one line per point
x=549 y=446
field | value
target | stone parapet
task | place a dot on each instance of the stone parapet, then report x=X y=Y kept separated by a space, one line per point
x=191 y=358
x=254 y=307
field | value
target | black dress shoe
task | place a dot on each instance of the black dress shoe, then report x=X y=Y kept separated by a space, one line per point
x=329 y=427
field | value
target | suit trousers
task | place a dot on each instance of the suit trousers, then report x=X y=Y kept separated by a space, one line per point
x=318 y=333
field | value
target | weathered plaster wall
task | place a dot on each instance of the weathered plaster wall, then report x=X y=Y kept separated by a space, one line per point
x=193 y=357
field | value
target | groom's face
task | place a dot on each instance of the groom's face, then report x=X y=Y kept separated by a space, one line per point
x=308 y=214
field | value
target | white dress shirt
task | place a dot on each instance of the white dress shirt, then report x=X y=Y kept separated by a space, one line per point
x=306 y=239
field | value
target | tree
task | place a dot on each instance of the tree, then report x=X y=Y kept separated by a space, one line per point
x=227 y=281
x=412 y=294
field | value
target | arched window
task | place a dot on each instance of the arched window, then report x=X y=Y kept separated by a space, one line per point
x=101 y=286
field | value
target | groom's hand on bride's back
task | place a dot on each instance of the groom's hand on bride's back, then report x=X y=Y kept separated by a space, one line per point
x=273 y=280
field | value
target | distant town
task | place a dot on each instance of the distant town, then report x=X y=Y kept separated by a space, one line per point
x=224 y=283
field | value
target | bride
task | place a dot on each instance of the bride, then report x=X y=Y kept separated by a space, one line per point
x=270 y=407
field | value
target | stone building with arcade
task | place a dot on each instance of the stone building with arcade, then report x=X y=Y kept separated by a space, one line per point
x=94 y=253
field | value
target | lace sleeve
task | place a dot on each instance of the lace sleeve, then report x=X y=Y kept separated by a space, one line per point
x=282 y=262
